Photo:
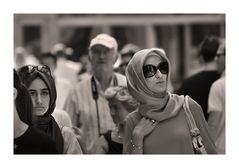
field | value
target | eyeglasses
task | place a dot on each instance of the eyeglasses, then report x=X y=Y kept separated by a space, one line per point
x=40 y=68
x=150 y=70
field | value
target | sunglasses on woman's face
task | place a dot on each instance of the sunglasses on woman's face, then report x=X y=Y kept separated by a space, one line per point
x=150 y=70
x=40 y=68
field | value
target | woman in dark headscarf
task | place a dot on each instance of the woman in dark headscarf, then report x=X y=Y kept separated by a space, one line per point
x=27 y=139
x=23 y=102
x=159 y=125
x=42 y=89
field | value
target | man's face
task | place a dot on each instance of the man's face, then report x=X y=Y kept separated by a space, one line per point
x=101 y=56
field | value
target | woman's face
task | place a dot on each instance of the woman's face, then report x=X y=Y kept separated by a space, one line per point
x=158 y=82
x=40 y=96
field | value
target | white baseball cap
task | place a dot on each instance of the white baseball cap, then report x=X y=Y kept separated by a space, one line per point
x=105 y=40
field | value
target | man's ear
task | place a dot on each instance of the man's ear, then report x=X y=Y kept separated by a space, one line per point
x=15 y=93
x=89 y=56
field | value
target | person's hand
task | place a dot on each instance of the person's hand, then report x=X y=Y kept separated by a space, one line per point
x=143 y=128
x=77 y=131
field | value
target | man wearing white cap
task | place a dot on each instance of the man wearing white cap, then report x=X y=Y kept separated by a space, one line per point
x=86 y=103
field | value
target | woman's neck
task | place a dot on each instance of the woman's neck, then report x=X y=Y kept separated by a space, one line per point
x=164 y=101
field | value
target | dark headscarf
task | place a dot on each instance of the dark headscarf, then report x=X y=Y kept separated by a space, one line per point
x=23 y=100
x=45 y=122
x=152 y=105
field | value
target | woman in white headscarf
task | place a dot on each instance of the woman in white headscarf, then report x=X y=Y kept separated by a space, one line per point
x=159 y=125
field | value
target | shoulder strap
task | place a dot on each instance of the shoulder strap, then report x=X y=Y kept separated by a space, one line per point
x=191 y=122
x=194 y=131
x=115 y=80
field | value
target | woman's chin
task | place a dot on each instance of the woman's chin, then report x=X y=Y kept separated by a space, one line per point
x=39 y=112
x=161 y=93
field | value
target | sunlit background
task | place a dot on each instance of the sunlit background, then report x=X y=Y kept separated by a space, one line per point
x=179 y=34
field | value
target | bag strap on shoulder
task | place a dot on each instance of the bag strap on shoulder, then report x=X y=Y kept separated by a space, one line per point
x=194 y=131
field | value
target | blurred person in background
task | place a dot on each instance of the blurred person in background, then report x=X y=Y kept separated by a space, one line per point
x=160 y=124
x=19 y=57
x=220 y=57
x=22 y=57
x=217 y=113
x=198 y=85
x=87 y=104
x=121 y=104
x=126 y=54
x=28 y=139
x=86 y=69
x=43 y=93
x=216 y=104
x=62 y=85
x=65 y=68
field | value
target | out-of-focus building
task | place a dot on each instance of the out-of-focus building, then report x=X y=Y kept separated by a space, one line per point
x=178 y=34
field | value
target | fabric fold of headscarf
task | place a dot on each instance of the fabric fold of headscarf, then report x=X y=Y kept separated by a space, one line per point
x=49 y=125
x=152 y=105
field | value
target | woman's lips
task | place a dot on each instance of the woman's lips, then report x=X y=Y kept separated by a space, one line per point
x=160 y=82
x=39 y=108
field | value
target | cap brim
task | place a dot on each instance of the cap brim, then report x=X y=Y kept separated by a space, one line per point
x=103 y=44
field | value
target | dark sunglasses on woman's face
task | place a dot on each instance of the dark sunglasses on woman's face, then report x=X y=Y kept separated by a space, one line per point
x=40 y=68
x=150 y=70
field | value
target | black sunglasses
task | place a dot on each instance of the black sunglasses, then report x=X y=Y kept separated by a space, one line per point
x=150 y=70
x=40 y=68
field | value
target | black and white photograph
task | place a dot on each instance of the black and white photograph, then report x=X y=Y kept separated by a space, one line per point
x=122 y=83
x=96 y=84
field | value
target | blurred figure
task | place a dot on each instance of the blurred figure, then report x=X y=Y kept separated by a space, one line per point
x=22 y=57
x=27 y=139
x=62 y=85
x=160 y=125
x=220 y=57
x=126 y=54
x=216 y=105
x=86 y=69
x=65 y=68
x=216 y=112
x=43 y=93
x=19 y=57
x=198 y=85
x=69 y=52
x=121 y=104
x=86 y=103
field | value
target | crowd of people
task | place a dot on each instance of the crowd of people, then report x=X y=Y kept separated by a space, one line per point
x=118 y=102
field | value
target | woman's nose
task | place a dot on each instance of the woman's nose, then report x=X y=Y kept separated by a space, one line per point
x=39 y=99
x=159 y=74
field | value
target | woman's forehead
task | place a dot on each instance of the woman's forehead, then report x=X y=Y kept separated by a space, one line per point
x=153 y=58
x=38 y=83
